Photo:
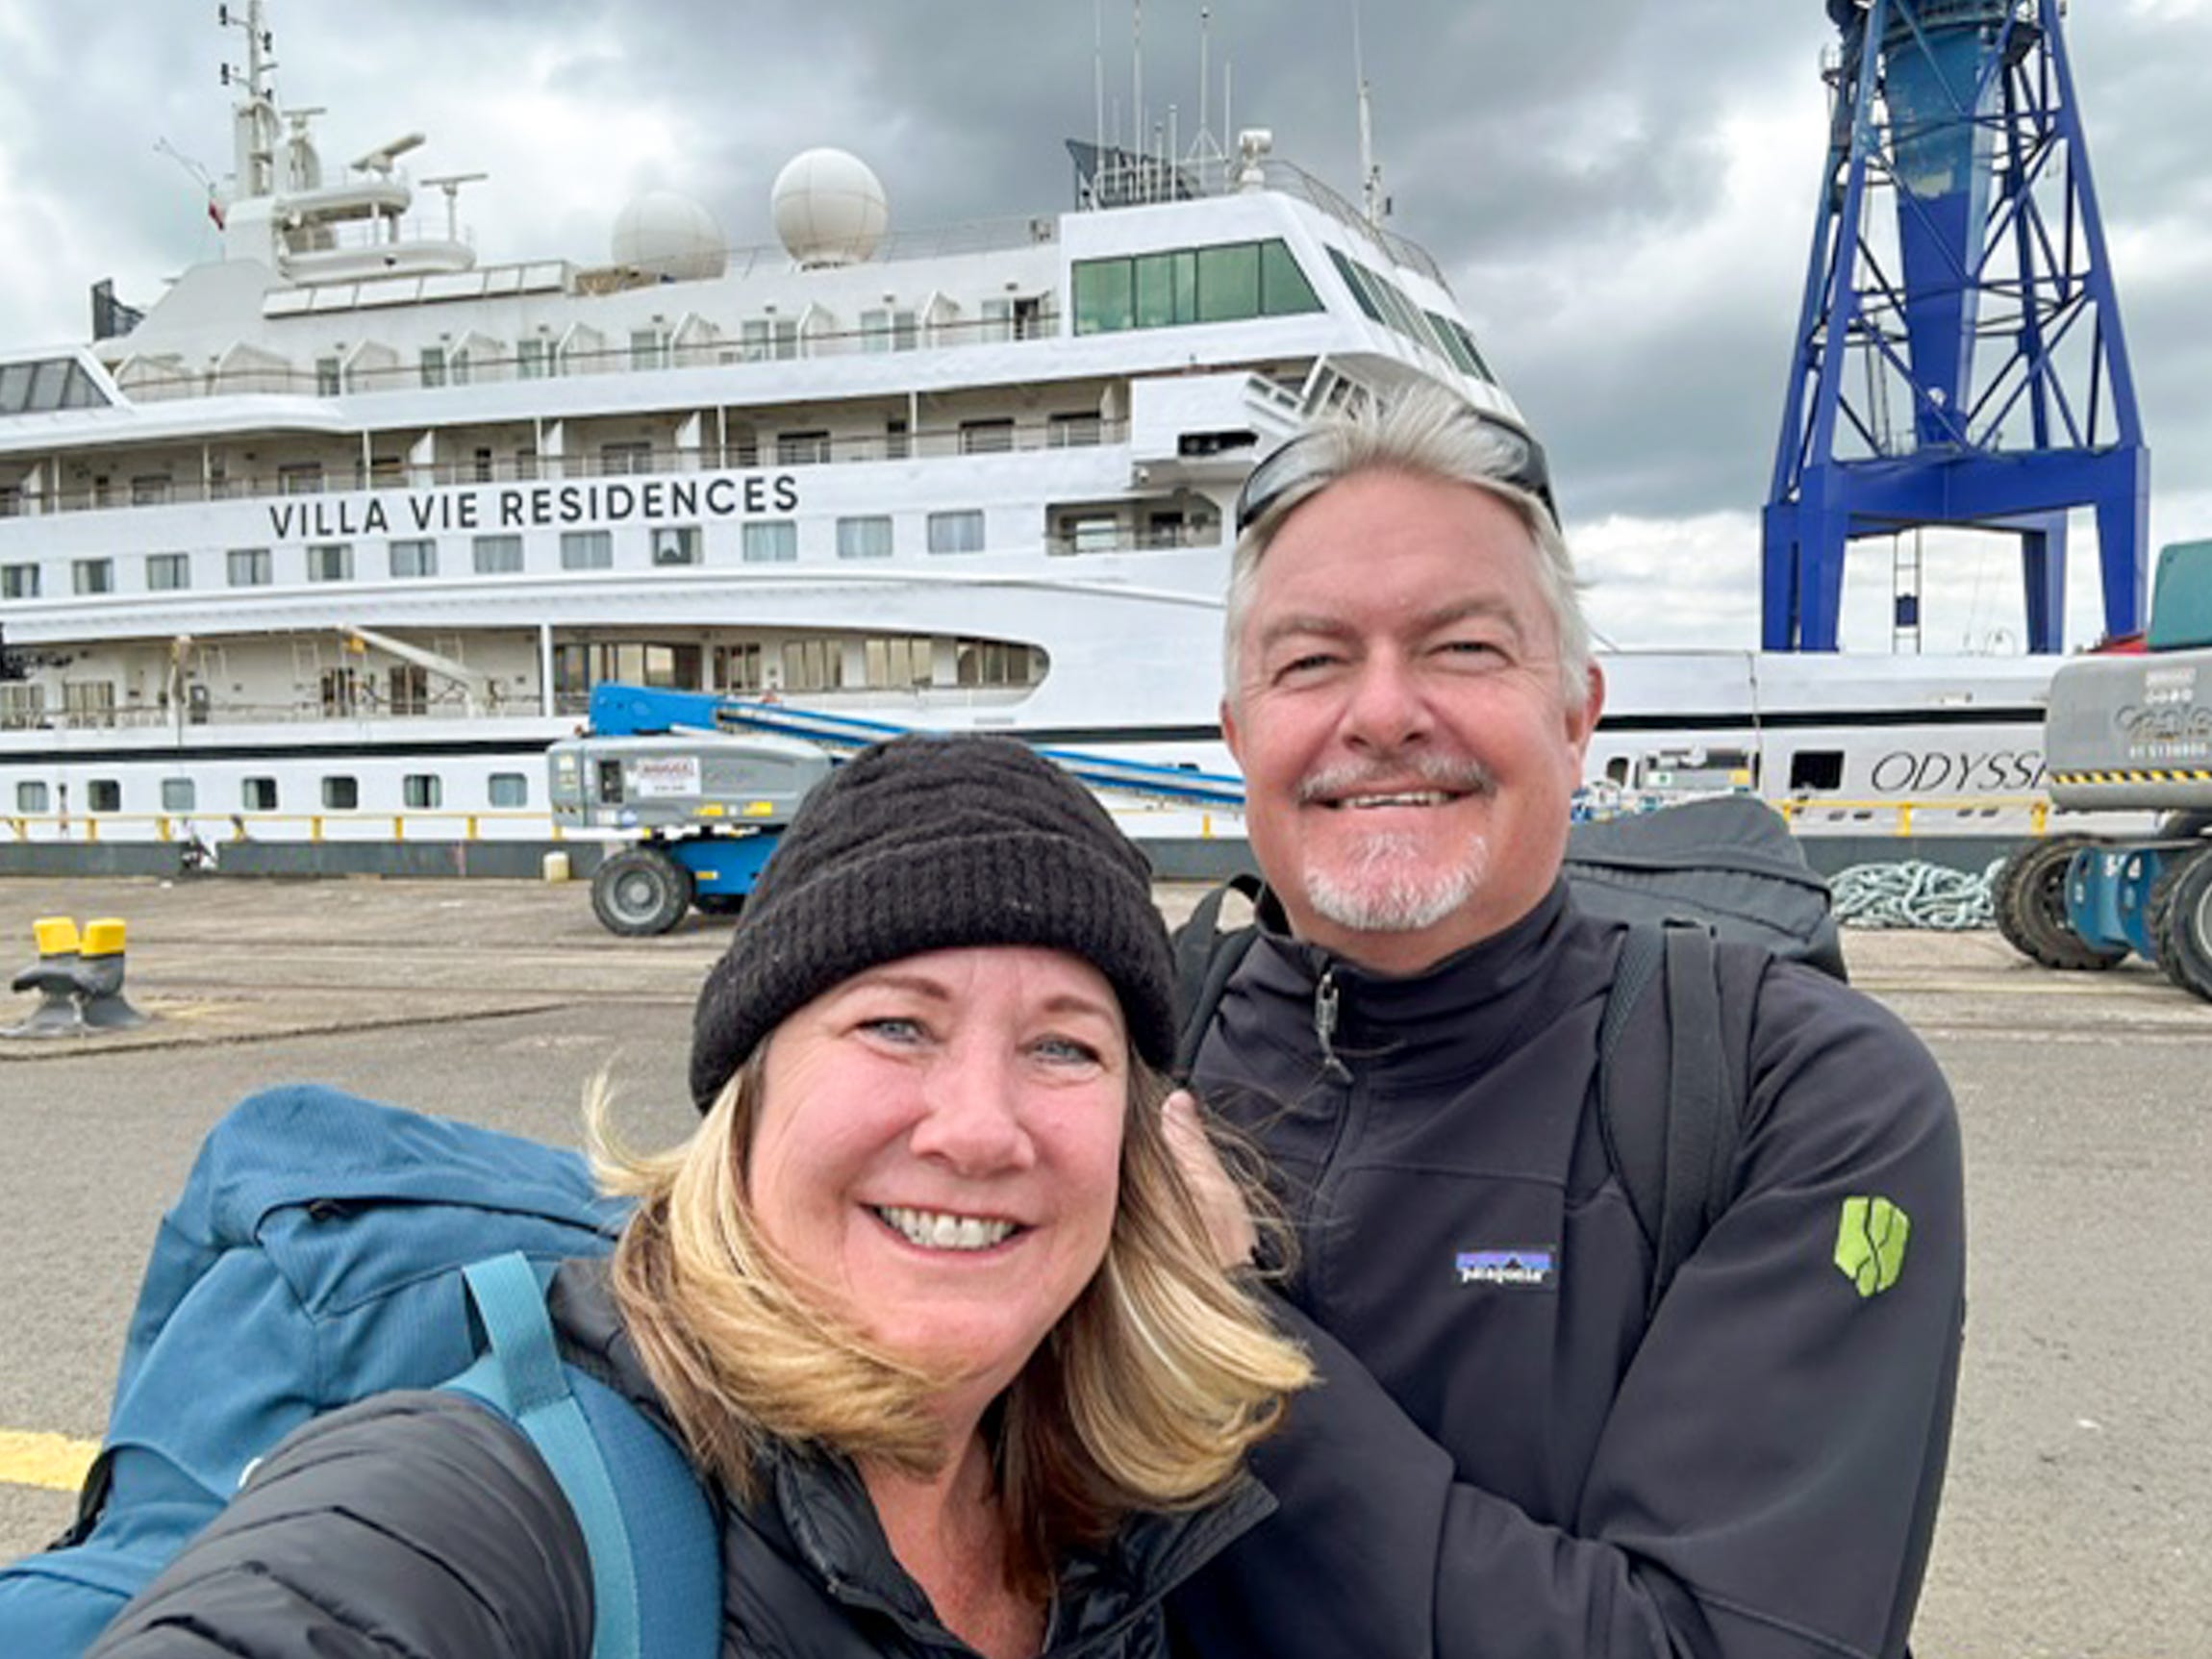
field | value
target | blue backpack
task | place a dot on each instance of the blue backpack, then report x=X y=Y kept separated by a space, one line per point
x=326 y=1248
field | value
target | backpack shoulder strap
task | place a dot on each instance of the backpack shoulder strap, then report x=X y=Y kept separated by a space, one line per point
x=634 y=1495
x=1205 y=958
x=1673 y=1149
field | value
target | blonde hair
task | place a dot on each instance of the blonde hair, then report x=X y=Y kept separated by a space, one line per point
x=1145 y=1395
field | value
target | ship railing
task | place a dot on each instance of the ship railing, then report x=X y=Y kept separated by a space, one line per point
x=1936 y=813
x=1000 y=436
x=1142 y=180
x=709 y=345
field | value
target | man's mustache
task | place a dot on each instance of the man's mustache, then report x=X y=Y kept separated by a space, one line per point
x=1458 y=774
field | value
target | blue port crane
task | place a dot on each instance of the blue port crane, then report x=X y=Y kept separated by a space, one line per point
x=1959 y=358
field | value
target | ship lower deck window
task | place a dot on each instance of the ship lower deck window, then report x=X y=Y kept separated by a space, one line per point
x=92 y=575
x=32 y=796
x=771 y=541
x=103 y=796
x=248 y=566
x=18 y=581
x=587 y=549
x=867 y=537
x=414 y=559
x=996 y=663
x=165 y=573
x=956 y=531
x=180 y=795
x=676 y=544
x=738 y=667
x=509 y=790
x=330 y=561
x=257 y=794
x=88 y=702
x=898 y=664
x=813 y=665
x=422 y=791
x=340 y=690
x=22 y=708
x=1816 y=769
x=497 y=555
x=341 y=793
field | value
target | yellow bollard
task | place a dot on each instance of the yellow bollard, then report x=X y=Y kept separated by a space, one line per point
x=57 y=936
x=556 y=867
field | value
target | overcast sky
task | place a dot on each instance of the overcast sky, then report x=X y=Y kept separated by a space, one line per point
x=1622 y=192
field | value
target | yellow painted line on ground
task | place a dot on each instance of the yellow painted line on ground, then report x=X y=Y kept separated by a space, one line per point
x=52 y=1461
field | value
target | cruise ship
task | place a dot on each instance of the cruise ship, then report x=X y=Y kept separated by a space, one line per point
x=330 y=542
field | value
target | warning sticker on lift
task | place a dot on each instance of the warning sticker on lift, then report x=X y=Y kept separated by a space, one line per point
x=665 y=776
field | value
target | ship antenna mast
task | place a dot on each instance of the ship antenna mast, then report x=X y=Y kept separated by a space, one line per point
x=1371 y=199
x=257 y=116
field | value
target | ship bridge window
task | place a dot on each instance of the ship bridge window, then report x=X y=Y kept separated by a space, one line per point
x=92 y=575
x=18 y=581
x=868 y=537
x=771 y=541
x=1459 y=346
x=956 y=531
x=1816 y=769
x=248 y=566
x=42 y=387
x=1226 y=283
x=414 y=559
x=180 y=795
x=165 y=573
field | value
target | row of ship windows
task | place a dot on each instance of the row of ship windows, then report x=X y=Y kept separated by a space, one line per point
x=420 y=791
x=767 y=541
x=1226 y=283
x=1385 y=302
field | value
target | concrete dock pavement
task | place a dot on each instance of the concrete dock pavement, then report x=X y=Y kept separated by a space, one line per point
x=2080 y=1497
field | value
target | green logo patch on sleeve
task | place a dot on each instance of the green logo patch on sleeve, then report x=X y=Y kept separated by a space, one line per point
x=1870 y=1244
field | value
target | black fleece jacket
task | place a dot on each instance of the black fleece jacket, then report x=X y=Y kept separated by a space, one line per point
x=419 y=1525
x=1513 y=1461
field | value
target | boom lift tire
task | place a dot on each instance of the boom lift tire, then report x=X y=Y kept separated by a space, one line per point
x=2184 y=927
x=2183 y=825
x=2157 y=908
x=2031 y=906
x=641 y=891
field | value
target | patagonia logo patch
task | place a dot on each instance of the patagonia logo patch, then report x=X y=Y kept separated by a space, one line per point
x=1522 y=1267
x=1870 y=1244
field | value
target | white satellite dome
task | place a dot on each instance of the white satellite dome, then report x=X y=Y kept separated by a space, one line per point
x=671 y=236
x=829 y=208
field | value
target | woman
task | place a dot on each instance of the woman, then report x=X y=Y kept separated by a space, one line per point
x=925 y=1298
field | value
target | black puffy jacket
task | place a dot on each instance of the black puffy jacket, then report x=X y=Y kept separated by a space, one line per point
x=421 y=1524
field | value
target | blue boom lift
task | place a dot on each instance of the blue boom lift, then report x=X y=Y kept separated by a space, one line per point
x=707 y=783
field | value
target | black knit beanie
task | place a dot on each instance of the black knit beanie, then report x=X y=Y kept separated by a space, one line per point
x=927 y=843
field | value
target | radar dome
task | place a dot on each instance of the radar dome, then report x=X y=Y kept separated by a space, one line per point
x=829 y=208
x=671 y=237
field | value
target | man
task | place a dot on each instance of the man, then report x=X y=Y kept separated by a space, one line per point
x=1509 y=1456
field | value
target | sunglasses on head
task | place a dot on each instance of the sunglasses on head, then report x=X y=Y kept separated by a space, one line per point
x=1291 y=465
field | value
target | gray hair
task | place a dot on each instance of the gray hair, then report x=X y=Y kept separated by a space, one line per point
x=1427 y=433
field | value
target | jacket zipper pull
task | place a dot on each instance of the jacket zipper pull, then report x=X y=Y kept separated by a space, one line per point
x=1325 y=1026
